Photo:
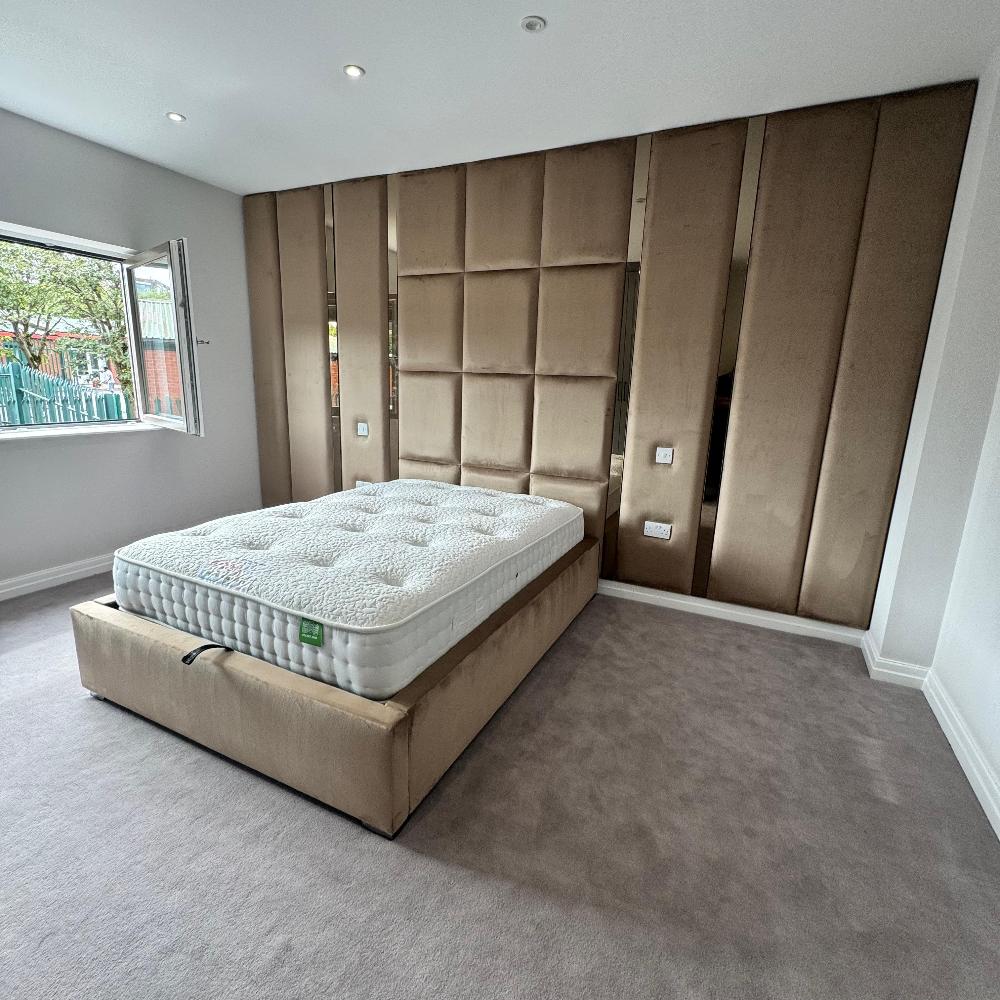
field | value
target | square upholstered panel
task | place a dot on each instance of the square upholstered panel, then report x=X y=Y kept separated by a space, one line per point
x=579 y=320
x=501 y=311
x=438 y=471
x=587 y=203
x=572 y=426
x=430 y=313
x=430 y=415
x=503 y=213
x=496 y=421
x=495 y=479
x=589 y=495
x=430 y=223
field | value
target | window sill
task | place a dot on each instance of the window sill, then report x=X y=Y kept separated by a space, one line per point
x=28 y=433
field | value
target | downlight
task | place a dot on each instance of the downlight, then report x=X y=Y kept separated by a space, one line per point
x=533 y=23
x=354 y=71
x=176 y=116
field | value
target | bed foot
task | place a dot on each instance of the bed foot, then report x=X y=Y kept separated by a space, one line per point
x=96 y=696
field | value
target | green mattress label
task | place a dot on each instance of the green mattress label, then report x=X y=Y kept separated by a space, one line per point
x=311 y=632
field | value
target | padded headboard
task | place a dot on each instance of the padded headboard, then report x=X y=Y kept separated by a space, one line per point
x=511 y=274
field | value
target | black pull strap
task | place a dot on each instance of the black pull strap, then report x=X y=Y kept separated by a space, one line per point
x=195 y=653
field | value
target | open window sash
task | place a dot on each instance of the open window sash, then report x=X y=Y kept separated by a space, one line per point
x=163 y=340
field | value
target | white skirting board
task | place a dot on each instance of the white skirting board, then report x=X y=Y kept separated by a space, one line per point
x=892 y=671
x=984 y=779
x=732 y=612
x=42 y=579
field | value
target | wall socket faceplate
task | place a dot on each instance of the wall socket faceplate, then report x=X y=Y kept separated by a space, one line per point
x=658 y=529
x=362 y=429
x=664 y=456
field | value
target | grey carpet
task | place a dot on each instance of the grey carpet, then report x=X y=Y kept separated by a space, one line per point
x=668 y=807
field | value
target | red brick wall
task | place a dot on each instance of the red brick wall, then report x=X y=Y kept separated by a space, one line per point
x=163 y=377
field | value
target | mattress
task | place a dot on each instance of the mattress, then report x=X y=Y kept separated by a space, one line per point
x=363 y=589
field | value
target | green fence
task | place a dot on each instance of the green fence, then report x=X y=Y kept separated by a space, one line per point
x=32 y=397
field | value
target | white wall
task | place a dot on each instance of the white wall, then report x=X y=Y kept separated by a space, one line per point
x=74 y=498
x=952 y=407
x=964 y=685
x=966 y=671
x=937 y=613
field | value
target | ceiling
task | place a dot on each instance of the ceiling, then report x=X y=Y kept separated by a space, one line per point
x=269 y=107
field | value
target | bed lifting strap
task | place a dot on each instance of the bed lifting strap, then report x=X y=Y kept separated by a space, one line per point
x=195 y=653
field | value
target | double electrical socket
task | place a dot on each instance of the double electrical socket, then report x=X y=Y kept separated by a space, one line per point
x=658 y=529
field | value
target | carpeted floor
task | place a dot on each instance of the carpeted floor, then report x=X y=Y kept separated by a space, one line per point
x=668 y=807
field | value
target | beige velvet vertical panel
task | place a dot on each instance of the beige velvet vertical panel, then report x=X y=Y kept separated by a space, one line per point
x=918 y=156
x=302 y=250
x=360 y=217
x=811 y=193
x=260 y=227
x=691 y=203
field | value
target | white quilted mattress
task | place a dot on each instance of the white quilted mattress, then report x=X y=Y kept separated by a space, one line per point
x=363 y=589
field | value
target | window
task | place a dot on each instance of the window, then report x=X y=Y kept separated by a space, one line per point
x=87 y=338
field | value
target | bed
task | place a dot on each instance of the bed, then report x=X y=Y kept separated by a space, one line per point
x=350 y=646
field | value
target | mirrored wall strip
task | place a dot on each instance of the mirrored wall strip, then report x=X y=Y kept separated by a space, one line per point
x=626 y=348
x=392 y=265
x=725 y=376
x=331 y=309
x=630 y=300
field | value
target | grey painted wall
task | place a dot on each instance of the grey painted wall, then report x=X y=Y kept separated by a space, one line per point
x=73 y=498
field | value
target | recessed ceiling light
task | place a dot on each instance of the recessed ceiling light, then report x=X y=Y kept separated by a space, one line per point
x=354 y=72
x=533 y=24
x=176 y=116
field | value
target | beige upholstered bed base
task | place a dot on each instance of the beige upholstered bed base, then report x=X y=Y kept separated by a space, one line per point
x=373 y=760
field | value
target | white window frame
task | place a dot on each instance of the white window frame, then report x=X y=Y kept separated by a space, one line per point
x=176 y=251
x=187 y=346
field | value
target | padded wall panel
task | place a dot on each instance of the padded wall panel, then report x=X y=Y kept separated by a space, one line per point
x=918 y=157
x=496 y=479
x=430 y=223
x=302 y=252
x=589 y=494
x=691 y=204
x=496 y=421
x=503 y=213
x=439 y=471
x=571 y=435
x=579 y=320
x=510 y=423
x=260 y=226
x=430 y=311
x=587 y=203
x=360 y=216
x=501 y=312
x=431 y=403
x=814 y=172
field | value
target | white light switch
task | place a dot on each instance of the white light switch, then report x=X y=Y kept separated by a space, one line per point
x=664 y=456
x=657 y=529
x=362 y=429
